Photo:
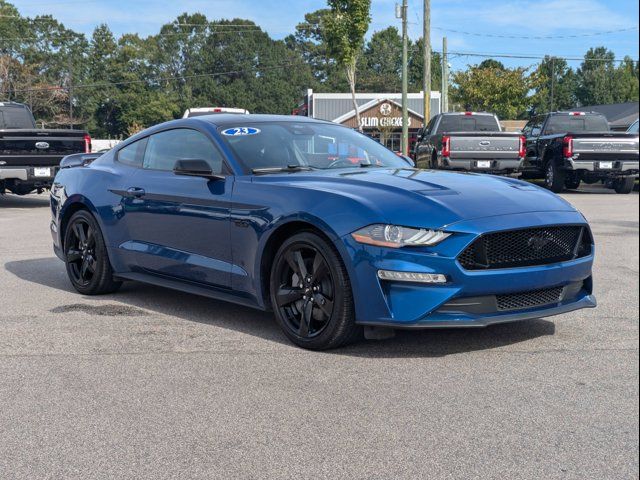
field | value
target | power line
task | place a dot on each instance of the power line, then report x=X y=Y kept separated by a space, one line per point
x=153 y=79
x=536 y=37
x=66 y=35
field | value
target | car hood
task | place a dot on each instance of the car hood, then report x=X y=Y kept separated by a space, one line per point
x=427 y=198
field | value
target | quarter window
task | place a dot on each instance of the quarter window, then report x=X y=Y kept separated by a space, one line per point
x=166 y=148
x=133 y=153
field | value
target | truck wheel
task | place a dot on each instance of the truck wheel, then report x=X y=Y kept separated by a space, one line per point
x=572 y=183
x=624 y=185
x=434 y=162
x=554 y=177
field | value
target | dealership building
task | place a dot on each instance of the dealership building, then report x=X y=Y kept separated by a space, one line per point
x=380 y=113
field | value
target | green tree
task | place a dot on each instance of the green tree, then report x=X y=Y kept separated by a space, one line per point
x=502 y=91
x=553 y=75
x=626 y=81
x=416 y=68
x=345 y=31
x=310 y=42
x=596 y=77
x=381 y=69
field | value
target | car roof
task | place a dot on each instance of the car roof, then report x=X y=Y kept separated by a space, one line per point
x=233 y=119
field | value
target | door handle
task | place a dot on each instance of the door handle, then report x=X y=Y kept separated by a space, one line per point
x=135 y=192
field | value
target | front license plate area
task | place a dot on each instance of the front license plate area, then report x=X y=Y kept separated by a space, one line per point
x=484 y=164
x=41 y=172
x=606 y=165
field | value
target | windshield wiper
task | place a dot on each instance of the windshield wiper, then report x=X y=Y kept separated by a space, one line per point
x=288 y=168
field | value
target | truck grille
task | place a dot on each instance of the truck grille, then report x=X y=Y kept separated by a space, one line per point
x=534 y=298
x=528 y=247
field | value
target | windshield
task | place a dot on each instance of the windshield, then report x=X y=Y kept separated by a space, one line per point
x=576 y=123
x=468 y=123
x=302 y=144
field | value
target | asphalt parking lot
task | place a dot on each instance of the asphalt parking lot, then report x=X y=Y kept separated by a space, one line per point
x=150 y=383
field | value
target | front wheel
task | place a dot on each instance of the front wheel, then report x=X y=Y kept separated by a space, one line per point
x=572 y=183
x=86 y=258
x=311 y=294
x=624 y=185
x=554 y=177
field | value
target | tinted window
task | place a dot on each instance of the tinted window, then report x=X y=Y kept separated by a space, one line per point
x=15 y=117
x=468 y=123
x=429 y=127
x=317 y=145
x=576 y=123
x=166 y=148
x=534 y=127
x=633 y=128
x=133 y=154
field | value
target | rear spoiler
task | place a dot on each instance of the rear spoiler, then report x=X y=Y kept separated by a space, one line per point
x=79 y=159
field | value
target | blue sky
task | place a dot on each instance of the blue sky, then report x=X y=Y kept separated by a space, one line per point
x=497 y=17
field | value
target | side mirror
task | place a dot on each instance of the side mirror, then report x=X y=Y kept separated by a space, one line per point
x=195 y=168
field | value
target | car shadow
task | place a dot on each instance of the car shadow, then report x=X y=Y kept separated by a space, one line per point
x=28 y=201
x=50 y=272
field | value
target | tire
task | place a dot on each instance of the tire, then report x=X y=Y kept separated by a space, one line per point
x=572 y=183
x=434 y=162
x=624 y=185
x=86 y=257
x=311 y=294
x=554 y=177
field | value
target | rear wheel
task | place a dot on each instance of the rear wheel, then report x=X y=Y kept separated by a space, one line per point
x=554 y=177
x=86 y=258
x=624 y=185
x=572 y=183
x=311 y=294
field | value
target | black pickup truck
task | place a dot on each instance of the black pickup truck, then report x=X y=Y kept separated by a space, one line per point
x=30 y=157
x=567 y=148
x=468 y=141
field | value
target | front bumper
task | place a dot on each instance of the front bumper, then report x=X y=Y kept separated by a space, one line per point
x=414 y=305
x=497 y=166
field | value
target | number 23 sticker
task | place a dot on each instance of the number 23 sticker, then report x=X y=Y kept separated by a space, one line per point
x=240 y=131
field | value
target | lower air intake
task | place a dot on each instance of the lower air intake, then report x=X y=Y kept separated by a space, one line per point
x=531 y=299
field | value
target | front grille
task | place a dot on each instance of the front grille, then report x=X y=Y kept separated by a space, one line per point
x=528 y=247
x=534 y=298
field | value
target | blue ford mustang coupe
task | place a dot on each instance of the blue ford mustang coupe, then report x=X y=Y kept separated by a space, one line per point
x=319 y=223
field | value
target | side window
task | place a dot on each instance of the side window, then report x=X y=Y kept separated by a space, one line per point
x=133 y=154
x=164 y=149
x=526 y=131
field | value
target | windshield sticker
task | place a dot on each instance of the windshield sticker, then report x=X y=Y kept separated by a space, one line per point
x=240 y=131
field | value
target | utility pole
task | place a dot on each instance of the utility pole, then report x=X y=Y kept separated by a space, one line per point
x=553 y=77
x=70 y=92
x=426 y=83
x=445 y=76
x=405 y=80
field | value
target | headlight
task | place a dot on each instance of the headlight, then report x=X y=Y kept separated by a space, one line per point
x=397 y=237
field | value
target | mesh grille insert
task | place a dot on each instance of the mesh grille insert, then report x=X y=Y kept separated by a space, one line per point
x=534 y=298
x=528 y=247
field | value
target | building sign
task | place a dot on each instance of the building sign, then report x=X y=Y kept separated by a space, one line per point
x=384 y=116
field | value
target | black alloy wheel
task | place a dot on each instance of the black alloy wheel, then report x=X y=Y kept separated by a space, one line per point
x=311 y=295
x=88 y=265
